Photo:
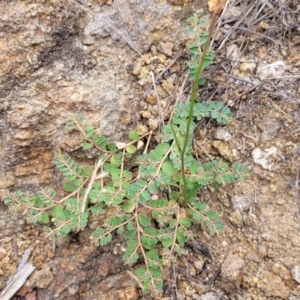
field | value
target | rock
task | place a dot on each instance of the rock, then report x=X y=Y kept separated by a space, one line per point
x=282 y=272
x=153 y=124
x=232 y=12
x=236 y=218
x=137 y=68
x=269 y=128
x=119 y=286
x=161 y=58
x=272 y=285
x=222 y=134
x=3 y=253
x=241 y=203
x=165 y=48
x=31 y=296
x=142 y=129
x=151 y=98
x=296 y=39
x=295 y=271
x=232 y=272
x=199 y=264
x=209 y=296
x=146 y=114
x=225 y=150
x=153 y=50
x=247 y=67
x=266 y=158
x=275 y=69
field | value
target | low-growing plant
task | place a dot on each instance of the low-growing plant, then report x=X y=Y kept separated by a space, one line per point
x=155 y=204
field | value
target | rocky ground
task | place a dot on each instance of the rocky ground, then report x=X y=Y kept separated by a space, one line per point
x=255 y=72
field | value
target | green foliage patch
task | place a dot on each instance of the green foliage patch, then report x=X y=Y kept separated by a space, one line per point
x=156 y=205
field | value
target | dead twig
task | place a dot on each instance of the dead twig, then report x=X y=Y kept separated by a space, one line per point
x=16 y=281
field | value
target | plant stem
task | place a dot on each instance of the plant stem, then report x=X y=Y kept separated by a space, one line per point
x=192 y=103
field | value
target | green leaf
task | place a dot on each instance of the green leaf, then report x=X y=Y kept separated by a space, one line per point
x=86 y=171
x=116 y=160
x=168 y=168
x=87 y=146
x=181 y=238
x=186 y=222
x=144 y=220
x=66 y=229
x=89 y=131
x=144 y=197
x=44 y=217
x=57 y=210
x=69 y=186
x=131 y=149
x=101 y=141
x=133 y=135
x=140 y=272
x=131 y=234
x=114 y=221
x=78 y=181
x=112 y=147
x=156 y=272
x=167 y=243
x=162 y=149
x=128 y=206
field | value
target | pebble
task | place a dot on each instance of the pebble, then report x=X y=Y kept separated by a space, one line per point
x=153 y=124
x=232 y=269
x=295 y=271
x=222 y=134
x=142 y=129
x=165 y=48
x=265 y=158
x=225 y=150
x=272 y=285
x=3 y=253
x=151 y=98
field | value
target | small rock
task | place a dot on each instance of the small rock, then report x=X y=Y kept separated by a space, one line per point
x=237 y=219
x=272 y=286
x=296 y=39
x=146 y=114
x=275 y=69
x=222 y=134
x=88 y=41
x=232 y=51
x=269 y=129
x=3 y=253
x=30 y=296
x=151 y=98
x=247 y=67
x=225 y=150
x=153 y=51
x=262 y=251
x=241 y=203
x=232 y=12
x=295 y=271
x=199 y=264
x=232 y=270
x=137 y=67
x=144 y=72
x=265 y=158
x=200 y=288
x=209 y=296
x=165 y=48
x=153 y=124
x=281 y=271
x=161 y=58
x=142 y=129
